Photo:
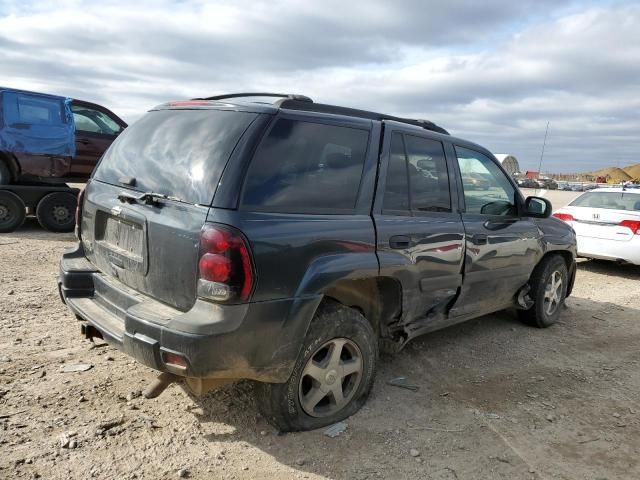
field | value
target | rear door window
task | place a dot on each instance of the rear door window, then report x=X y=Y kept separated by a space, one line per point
x=396 y=193
x=34 y=109
x=305 y=167
x=417 y=177
x=180 y=153
x=428 y=175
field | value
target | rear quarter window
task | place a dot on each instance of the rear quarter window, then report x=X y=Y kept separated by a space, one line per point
x=305 y=167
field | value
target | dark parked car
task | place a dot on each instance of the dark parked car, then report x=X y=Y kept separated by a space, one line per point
x=548 y=183
x=287 y=243
x=34 y=119
x=528 y=183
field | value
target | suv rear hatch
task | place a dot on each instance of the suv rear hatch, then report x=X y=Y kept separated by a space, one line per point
x=149 y=242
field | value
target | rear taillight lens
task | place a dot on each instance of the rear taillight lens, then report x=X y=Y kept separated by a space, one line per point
x=634 y=225
x=79 y=213
x=225 y=271
x=567 y=217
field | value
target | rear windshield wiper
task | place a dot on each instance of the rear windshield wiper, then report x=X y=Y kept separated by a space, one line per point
x=148 y=198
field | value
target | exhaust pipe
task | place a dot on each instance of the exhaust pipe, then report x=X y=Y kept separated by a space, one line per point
x=89 y=332
x=160 y=385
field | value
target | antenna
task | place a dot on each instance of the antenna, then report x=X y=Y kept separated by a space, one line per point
x=544 y=143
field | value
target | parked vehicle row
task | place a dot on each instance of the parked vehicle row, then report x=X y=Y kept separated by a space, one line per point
x=286 y=243
x=546 y=183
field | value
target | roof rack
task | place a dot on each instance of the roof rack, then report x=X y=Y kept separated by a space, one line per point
x=288 y=96
x=294 y=104
x=304 y=103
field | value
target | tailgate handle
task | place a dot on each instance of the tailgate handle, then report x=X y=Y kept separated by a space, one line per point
x=399 y=242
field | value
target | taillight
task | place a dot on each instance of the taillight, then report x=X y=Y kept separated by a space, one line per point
x=634 y=225
x=567 y=217
x=225 y=272
x=79 y=213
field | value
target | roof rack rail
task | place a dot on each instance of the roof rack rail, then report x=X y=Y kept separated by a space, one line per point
x=294 y=104
x=288 y=96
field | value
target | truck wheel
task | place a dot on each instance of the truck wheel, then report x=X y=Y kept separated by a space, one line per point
x=56 y=212
x=12 y=211
x=332 y=376
x=549 y=283
x=5 y=174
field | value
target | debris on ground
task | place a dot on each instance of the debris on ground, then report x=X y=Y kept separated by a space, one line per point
x=77 y=367
x=401 y=382
x=335 y=429
x=66 y=440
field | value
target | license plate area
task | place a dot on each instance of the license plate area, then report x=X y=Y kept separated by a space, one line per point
x=121 y=241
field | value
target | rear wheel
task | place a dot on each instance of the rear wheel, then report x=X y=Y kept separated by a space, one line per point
x=56 y=212
x=549 y=283
x=12 y=211
x=332 y=376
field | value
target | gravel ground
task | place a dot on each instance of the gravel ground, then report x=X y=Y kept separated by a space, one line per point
x=496 y=399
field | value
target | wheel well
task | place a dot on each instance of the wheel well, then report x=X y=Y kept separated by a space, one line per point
x=11 y=163
x=566 y=256
x=378 y=299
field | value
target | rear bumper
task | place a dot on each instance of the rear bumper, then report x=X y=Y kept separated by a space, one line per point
x=628 y=251
x=259 y=341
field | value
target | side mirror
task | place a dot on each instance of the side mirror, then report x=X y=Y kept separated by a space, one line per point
x=537 y=207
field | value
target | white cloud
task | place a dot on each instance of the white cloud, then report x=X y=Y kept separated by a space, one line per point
x=474 y=69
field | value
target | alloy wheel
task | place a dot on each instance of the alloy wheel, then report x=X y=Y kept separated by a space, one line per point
x=330 y=378
x=553 y=293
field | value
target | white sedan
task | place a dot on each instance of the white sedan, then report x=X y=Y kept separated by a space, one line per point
x=607 y=224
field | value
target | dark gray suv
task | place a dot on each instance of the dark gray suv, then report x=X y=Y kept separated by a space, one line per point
x=287 y=243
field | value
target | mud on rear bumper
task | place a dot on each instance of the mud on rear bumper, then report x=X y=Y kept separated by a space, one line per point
x=259 y=341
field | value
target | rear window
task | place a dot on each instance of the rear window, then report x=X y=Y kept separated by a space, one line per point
x=610 y=200
x=180 y=153
x=304 y=167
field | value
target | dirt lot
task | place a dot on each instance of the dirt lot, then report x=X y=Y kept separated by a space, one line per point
x=496 y=399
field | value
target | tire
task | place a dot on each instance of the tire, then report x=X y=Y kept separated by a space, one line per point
x=12 y=211
x=300 y=403
x=548 y=296
x=5 y=173
x=56 y=212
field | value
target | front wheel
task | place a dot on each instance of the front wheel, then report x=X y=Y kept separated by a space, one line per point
x=549 y=283
x=332 y=376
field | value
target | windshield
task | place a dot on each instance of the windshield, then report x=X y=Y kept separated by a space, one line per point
x=179 y=153
x=610 y=200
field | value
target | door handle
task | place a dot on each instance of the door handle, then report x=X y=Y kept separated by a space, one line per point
x=399 y=242
x=84 y=141
x=479 y=239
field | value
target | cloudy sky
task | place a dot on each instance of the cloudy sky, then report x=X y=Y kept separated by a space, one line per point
x=493 y=72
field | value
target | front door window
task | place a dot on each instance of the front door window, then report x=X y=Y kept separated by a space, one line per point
x=487 y=189
x=94 y=121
